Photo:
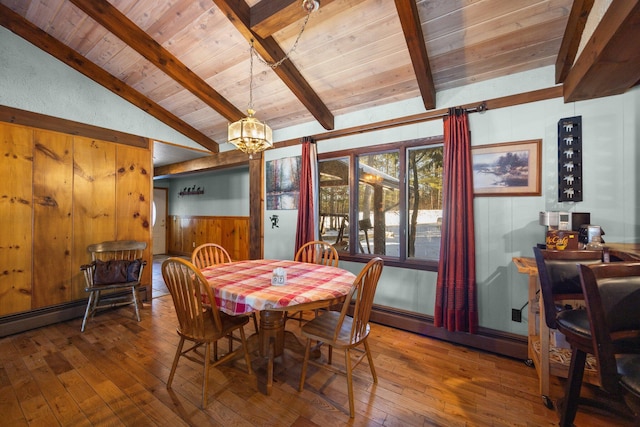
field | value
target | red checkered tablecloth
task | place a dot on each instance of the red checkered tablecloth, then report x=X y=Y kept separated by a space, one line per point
x=244 y=286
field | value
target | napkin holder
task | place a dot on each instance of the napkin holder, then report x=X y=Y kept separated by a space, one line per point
x=279 y=277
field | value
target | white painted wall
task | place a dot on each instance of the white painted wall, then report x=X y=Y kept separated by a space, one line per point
x=226 y=193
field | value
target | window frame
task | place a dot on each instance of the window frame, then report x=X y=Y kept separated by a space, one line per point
x=353 y=154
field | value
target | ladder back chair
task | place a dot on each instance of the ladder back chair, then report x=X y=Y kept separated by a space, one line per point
x=200 y=324
x=209 y=254
x=344 y=332
x=115 y=266
x=314 y=252
x=612 y=295
x=318 y=252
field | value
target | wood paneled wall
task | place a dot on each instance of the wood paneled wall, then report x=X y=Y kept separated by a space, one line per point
x=58 y=194
x=187 y=232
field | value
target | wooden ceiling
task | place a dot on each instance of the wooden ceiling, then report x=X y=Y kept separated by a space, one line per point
x=187 y=62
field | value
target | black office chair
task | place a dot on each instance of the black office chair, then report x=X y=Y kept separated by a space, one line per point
x=559 y=281
x=612 y=296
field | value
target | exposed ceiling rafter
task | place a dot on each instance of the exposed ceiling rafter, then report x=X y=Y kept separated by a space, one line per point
x=239 y=14
x=609 y=64
x=117 y=23
x=572 y=35
x=410 y=21
x=269 y=17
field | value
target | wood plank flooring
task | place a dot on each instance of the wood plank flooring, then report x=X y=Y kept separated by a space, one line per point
x=115 y=375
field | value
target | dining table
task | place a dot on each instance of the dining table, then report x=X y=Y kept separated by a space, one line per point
x=242 y=287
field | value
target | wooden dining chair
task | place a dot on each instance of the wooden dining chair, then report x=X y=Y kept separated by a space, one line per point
x=115 y=266
x=612 y=296
x=314 y=252
x=346 y=332
x=318 y=252
x=209 y=254
x=199 y=324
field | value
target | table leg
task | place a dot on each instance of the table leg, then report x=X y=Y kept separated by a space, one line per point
x=271 y=329
x=271 y=340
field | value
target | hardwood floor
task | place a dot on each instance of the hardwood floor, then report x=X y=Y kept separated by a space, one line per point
x=115 y=374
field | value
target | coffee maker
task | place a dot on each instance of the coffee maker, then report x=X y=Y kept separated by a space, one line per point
x=554 y=220
x=574 y=227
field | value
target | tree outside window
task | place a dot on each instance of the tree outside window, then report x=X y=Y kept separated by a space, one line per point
x=398 y=188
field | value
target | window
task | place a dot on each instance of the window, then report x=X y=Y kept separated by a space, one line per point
x=398 y=189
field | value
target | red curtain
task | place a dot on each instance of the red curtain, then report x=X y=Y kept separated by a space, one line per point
x=306 y=226
x=456 y=304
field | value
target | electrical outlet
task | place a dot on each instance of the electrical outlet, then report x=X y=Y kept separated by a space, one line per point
x=516 y=315
x=194 y=244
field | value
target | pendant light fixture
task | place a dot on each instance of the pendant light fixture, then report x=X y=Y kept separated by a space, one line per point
x=249 y=134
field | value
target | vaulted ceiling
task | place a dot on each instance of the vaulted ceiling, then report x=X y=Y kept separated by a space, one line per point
x=187 y=62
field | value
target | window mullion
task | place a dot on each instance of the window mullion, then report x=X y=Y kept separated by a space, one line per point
x=402 y=226
x=353 y=204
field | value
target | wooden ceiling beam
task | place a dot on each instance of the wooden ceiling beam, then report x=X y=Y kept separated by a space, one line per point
x=609 y=63
x=122 y=27
x=572 y=36
x=226 y=159
x=238 y=13
x=270 y=16
x=42 y=40
x=410 y=21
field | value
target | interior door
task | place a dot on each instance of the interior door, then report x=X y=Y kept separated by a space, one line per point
x=160 y=224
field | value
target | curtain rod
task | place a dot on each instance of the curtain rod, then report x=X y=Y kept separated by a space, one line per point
x=478 y=109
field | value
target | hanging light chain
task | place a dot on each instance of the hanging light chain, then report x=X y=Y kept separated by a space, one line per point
x=251 y=77
x=276 y=64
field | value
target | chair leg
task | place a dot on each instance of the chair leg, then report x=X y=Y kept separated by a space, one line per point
x=572 y=390
x=87 y=311
x=246 y=350
x=205 y=379
x=94 y=305
x=136 y=302
x=370 y=359
x=175 y=362
x=305 y=362
x=347 y=364
x=255 y=321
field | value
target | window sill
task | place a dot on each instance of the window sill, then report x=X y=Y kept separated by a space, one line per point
x=392 y=262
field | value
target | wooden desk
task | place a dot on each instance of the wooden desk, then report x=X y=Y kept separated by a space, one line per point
x=245 y=286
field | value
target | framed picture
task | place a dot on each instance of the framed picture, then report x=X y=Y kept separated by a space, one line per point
x=507 y=169
x=283 y=183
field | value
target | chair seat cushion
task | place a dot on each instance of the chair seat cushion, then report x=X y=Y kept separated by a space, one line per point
x=629 y=370
x=116 y=271
x=575 y=322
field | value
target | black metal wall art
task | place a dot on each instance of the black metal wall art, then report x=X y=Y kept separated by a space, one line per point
x=570 y=159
